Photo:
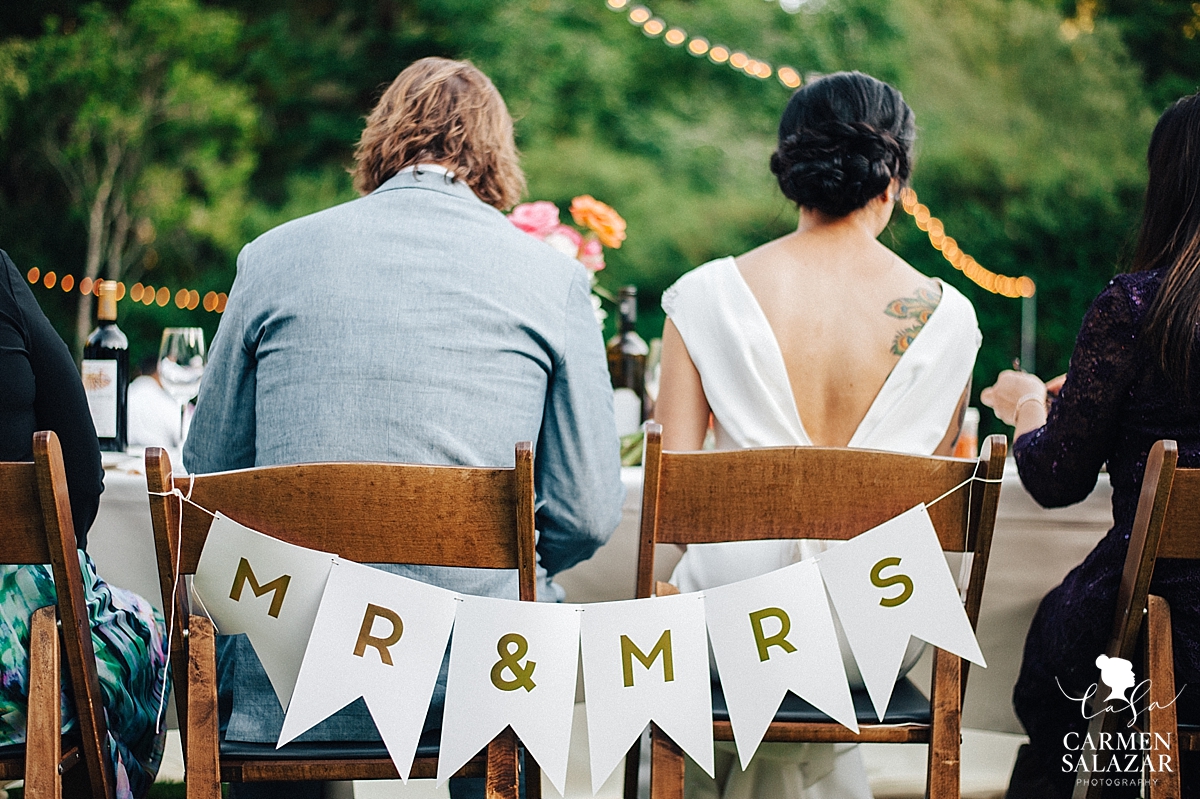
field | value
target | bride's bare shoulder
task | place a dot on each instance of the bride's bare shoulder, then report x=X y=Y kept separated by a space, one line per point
x=909 y=276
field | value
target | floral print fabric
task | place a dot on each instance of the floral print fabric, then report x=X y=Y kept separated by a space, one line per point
x=129 y=637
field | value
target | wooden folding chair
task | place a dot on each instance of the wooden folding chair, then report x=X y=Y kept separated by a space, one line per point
x=1165 y=527
x=37 y=528
x=366 y=512
x=824 y=493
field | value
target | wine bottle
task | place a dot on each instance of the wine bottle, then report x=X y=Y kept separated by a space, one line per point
x=106 y=373
x=627 y=353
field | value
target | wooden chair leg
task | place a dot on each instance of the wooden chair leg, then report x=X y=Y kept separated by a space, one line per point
x=945 y=735
x=43 y=738
x=203 y=772
x=503 y=767
x=666 y=766
x=1165 y=753
x=632 y=765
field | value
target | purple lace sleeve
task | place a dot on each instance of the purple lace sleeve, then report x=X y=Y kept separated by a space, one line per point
x=1059 y=462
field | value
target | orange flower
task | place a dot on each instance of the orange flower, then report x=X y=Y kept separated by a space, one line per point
x=601 y=219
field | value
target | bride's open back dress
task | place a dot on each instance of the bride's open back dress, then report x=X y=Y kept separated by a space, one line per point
x=748 y=389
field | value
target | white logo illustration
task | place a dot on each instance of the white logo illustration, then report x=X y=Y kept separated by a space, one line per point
x=1117 y=674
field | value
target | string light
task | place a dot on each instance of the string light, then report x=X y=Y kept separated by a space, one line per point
x=698 y=46
x=185 y=299
x=673 y=36
x=995 y=283
x=639 y=16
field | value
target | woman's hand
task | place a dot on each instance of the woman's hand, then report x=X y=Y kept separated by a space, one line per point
x=1013 y=393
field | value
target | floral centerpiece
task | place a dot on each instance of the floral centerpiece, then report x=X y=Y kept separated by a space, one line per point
x=602 y=227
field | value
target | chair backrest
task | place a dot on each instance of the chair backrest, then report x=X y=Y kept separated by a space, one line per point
x=38 y=528
x=814 y=492
x=1165 y=527
x=366 y=512
x=1181 y=522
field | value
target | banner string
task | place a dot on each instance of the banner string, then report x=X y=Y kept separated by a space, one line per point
x=175 y=492
x=972 y=479
x=187 y=498
x=968 y=558
x=204 y=607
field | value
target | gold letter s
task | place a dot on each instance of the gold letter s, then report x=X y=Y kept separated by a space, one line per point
x=896 y=579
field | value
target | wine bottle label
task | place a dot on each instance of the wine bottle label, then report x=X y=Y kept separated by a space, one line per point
x=627 y=407
x=100 y=385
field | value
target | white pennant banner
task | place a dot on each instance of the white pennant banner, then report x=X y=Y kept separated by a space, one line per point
x=888 y=584
x=511 y=664
x=329 y=631
x=381 y=637
x=268 y=589
x=772 y=634
x=646 y=660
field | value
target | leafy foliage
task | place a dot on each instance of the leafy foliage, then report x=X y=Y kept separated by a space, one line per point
x=144 y=135
x=1032 y=132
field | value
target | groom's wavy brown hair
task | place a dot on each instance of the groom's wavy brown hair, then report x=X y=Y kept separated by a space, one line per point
x=445 y=112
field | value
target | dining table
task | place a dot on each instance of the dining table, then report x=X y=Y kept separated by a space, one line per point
x=1033 y=549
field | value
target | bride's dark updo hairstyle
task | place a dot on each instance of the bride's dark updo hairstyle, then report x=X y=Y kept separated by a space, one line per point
x=841 y=141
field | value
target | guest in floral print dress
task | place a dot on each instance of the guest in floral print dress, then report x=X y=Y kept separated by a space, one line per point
x=42 y=391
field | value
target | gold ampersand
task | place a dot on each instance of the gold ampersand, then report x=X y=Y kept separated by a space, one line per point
x=510 y=659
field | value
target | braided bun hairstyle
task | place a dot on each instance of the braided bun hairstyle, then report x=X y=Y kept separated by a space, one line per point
x=842 y=140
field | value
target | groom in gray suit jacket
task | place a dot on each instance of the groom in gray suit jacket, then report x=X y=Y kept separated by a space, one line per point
x=415 y=324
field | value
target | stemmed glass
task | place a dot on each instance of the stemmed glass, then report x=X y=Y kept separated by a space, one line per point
x=181 y=365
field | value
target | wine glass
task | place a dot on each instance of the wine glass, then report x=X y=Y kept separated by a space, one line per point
x=181 y=365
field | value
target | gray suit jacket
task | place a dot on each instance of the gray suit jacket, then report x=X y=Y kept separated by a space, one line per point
x=416 y=325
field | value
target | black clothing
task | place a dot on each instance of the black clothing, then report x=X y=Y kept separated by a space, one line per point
x=40 y=389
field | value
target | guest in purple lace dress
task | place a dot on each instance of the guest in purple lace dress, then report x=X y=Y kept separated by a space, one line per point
x=1134 y=379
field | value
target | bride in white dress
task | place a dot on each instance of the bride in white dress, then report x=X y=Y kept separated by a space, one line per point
x=823 y=337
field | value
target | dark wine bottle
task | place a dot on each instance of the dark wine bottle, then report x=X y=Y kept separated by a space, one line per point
x=106 y=373
x=627 y=353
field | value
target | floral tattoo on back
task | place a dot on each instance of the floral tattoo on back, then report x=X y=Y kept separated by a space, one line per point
x=918 y=309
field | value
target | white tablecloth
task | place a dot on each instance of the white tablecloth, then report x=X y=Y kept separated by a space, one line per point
x=1032 y=551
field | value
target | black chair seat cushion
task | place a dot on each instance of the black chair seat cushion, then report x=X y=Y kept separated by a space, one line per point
x=907 y=706
x=325 y=750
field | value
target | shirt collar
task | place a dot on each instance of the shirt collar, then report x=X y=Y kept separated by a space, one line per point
x=427 y=176
x=420 y=169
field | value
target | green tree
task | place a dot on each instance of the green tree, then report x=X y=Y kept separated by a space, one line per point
x=146 y=136
x=1031 y=133
x=1162 y=36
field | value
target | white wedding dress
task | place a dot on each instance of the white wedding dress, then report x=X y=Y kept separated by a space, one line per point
x=746 y=383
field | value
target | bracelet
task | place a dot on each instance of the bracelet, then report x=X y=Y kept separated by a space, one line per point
x=1033 y=396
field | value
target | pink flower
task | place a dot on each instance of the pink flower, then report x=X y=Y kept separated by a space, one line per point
x=564 y=239
x=591 y=254
x=537 y=219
